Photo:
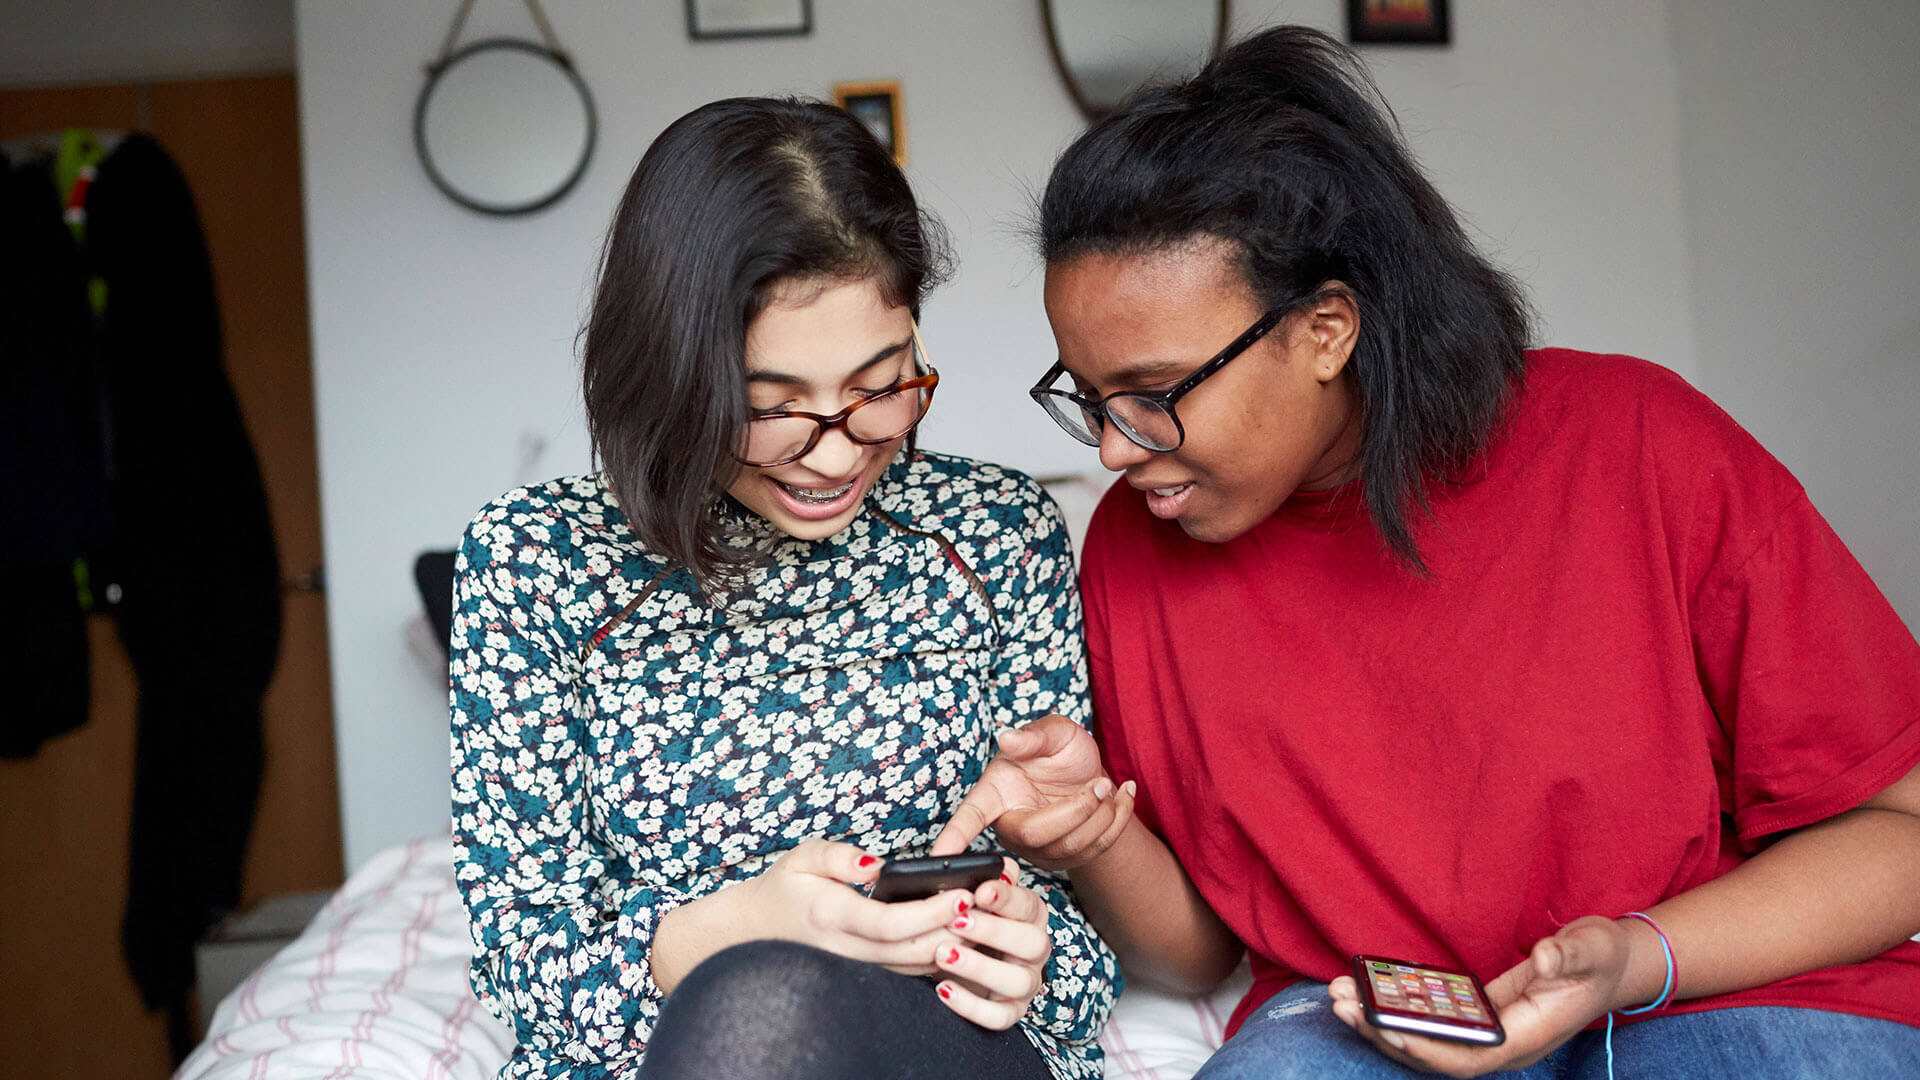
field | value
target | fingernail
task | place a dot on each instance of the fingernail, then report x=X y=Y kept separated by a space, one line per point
x=866 y=861
x=1394 y=1040
x=1130 y=787
x=962 y=923
x=1102 y=788
x=946 y=992
x=953 y=956
x=961 y=905
x=990 y=895
x=1006 y=879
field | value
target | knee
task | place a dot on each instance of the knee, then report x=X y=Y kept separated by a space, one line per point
x=778 y=984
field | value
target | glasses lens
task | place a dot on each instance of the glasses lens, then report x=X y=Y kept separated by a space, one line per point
x=776 y=439
x=1076 y=420
x=1145 y=421
x=888 y=416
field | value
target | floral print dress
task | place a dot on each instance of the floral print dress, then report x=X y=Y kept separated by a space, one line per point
x=623 y=745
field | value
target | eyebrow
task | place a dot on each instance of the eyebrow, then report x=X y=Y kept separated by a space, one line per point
x=781 y=378
x=1143 y=371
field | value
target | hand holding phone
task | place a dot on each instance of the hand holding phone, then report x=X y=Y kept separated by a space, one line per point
x=1399 y=996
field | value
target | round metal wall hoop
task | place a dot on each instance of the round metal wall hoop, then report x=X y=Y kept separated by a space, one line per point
x=1095 y=105
x=451 y=186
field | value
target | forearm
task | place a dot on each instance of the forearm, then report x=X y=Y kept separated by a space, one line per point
x=696 y=930
x=1837 y=892
x=1138 y=897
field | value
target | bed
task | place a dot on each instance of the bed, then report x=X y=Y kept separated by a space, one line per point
x=376 y=988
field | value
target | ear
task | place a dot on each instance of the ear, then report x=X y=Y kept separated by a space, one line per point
x=1333 y=325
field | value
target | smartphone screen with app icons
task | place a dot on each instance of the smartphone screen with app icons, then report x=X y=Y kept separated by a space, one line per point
x=1426 y=1000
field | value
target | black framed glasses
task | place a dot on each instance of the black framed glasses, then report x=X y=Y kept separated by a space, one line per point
x=1148 y=420
x=776 y=438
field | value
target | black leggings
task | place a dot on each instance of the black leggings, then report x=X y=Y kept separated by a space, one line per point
x=773 y=1009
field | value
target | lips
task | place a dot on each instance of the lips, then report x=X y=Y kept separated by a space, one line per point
x=1166 y=500
x=816 y=503
x=816 y=495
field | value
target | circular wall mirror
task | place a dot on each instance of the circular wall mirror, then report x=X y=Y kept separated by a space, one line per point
x=504 y=126
x=1106 y=49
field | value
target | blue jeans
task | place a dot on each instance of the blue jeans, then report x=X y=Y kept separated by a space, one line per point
x=1295 y=1036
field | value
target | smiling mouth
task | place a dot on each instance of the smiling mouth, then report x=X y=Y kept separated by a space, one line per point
x=816 y=496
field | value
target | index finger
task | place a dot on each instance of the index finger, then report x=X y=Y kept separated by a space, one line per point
x=831 y=859
x=981 y=808
x=1011 y=901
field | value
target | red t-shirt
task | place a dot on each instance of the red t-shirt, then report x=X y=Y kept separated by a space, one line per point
x=1641 y=652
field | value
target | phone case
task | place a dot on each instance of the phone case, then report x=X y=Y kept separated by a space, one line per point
x=915 y=879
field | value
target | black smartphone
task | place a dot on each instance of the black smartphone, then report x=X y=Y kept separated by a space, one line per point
x=917 y=879
x=1426 y=1001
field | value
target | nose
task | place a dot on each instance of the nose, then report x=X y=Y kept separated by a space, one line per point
x=1119 y=453
x=834 y=456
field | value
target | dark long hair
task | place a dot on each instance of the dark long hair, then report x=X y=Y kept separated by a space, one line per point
x=731 y=200
x=1284 y=146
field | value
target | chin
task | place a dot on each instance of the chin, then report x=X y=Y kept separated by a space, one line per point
x=1211 y=529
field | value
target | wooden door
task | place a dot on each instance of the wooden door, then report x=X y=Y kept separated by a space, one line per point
x=70 y=1006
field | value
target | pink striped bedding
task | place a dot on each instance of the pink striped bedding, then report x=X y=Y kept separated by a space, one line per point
x=376 y=988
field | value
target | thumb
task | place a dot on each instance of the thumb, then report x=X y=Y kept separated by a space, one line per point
x=981 y=808
x=1575 y=952
x=1044 y=737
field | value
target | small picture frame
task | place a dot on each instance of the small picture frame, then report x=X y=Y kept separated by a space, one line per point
x=723 y=20
x=1398 y=22
x=878 y=106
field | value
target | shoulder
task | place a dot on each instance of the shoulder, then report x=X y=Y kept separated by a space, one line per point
x=556 y=516
x=1629 y=403
x=564 y=539
x=977 y=500
x=999 y=519
x=1641 y=425
x=1610 y=393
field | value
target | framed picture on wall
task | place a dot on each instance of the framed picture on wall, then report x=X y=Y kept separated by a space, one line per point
x=717 y=20
x=877 y=105
x=1398 y=22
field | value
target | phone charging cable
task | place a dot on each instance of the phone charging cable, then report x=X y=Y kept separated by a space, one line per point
x=1666 y=991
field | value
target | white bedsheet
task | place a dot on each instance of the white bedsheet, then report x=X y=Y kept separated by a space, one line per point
x=377 y=988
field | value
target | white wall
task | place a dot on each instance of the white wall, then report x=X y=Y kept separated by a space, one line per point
x=108 y=41
x=443 y=342
x=1801 y=160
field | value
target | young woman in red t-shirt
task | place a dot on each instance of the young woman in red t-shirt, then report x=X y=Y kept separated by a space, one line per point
x=1408 y=641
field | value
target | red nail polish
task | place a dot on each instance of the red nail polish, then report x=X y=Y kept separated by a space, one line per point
x=953 y=956
x=866 y=861
x=945 y=993
x=963 y=906
x=961 y=923
x=1006 y=879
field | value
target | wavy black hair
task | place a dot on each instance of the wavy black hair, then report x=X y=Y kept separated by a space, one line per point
x=1284 y=146
x=732 y=200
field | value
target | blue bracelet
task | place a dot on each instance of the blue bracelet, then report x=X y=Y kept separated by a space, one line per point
x=1666 y=989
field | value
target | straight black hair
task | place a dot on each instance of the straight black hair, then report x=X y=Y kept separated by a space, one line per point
x=1284 y=146
x=732 y=199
